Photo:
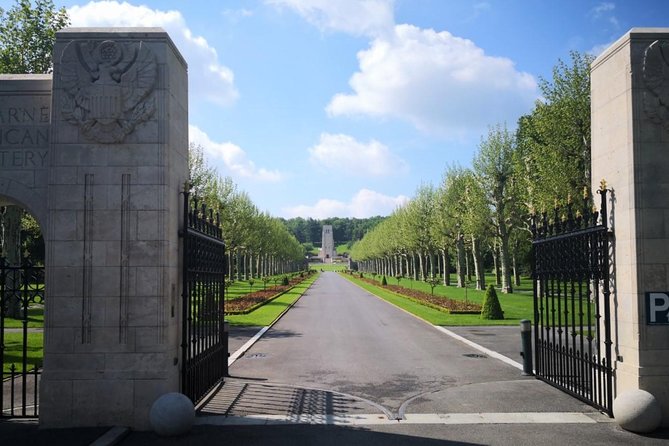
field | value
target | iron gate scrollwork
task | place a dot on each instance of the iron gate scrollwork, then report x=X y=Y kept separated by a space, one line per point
x=21 y=298
x=572 y=309
x=204 y=343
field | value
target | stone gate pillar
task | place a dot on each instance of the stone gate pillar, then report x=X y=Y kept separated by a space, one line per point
x=630 y=149
x=118 y=160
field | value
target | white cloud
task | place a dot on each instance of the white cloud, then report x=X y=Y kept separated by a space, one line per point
x=234 y=158
x=599 y=49
x=346 y=155
x=356 y=17
x=237 y=14
x=365 y=203
x=603 y=8
x=440 y=83
x=605 y=11
x=207 y=77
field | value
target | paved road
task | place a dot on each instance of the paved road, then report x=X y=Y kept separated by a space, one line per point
x=342 y=339
x=349 y=363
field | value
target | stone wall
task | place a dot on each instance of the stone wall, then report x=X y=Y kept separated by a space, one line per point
x=630 y=149
x=25 y=103
x=118 y=161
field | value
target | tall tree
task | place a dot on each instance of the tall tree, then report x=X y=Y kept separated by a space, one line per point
x=452 y=210
x=494 y=170
x=476 y=222
x=554 y=140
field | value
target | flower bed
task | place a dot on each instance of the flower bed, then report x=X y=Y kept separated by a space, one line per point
x=251 y=301
x=437 y=302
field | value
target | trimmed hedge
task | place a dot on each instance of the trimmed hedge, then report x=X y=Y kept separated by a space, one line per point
x=491 y=308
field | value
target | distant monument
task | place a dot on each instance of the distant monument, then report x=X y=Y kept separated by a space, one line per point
x=327 y=246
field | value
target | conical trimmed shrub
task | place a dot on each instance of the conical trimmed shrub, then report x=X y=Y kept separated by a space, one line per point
x=384 y=282
x=491 y=308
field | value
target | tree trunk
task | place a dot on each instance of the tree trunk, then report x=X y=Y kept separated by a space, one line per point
x=479 y=272
x=231 y=268
x=460 y=264
x=495 y=261
x=447 y=267
x=505 y=265
x=433 y=267
x=468 y=269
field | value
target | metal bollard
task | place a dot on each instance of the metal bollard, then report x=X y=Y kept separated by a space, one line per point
x=526 y=353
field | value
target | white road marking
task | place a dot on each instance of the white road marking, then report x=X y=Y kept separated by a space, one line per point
x=480 y=348
x=241 y=350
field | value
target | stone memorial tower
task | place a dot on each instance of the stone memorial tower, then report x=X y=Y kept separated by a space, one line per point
x=630 y=150
x=327 y=245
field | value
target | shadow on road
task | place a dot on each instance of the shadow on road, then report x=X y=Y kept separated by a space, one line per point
x=239 y=398
x=276 y=334
x=288 y=436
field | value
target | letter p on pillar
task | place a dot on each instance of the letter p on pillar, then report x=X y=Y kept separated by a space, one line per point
x=658 y=308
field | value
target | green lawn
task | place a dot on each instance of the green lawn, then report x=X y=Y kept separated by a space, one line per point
x=267 y=313
x=35 y=319
x=328 y=266
x=516 y=306
x=14 y=348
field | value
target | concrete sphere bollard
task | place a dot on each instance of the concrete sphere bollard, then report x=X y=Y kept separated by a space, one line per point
x=172 y=414
x=637 y=411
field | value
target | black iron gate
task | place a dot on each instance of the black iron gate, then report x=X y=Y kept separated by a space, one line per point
x=572 y=311
x=204 y=343
x=21 y=338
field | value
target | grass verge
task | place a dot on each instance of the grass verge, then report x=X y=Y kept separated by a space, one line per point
x=35 y=318
x=515 y=306
x=328 y=266
x=14 y=349
x=268 y=313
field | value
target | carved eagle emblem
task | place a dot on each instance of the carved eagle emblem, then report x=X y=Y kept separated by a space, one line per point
x=107 y=87
x=656 y=81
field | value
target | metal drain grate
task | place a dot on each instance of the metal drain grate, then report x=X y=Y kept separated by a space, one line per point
x=475 y=355
x=256 y=355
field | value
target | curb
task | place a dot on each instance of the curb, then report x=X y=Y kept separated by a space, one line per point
x=112 y=437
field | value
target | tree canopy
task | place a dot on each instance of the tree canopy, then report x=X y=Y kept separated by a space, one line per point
x=257 y=243
x=554 y=139
x=27 y=36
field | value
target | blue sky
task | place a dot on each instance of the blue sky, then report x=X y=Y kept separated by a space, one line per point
x=321 y=108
